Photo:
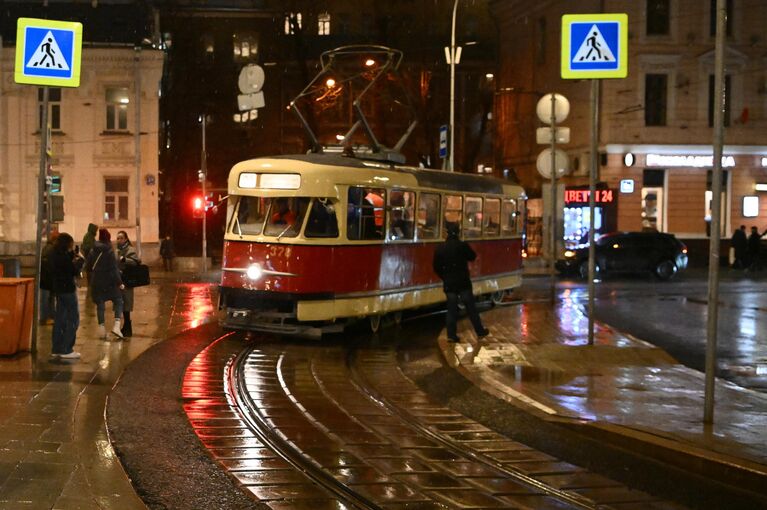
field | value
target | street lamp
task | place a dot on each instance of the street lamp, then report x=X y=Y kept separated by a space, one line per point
x=453 y=55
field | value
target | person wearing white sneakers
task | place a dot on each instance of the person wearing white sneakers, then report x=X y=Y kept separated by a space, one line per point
x=106 y=284
x=64 y=265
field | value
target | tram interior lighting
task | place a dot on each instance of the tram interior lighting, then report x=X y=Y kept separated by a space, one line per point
x=254 y=272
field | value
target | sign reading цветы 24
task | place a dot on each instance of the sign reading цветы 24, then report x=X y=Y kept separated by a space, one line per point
x=48 y=52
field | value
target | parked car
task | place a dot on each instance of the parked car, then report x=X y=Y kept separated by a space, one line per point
x=629 y=252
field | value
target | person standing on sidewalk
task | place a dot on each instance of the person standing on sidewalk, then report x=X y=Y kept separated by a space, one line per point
x=167 y=253
x=127 y=256
x=64 y=266
x=47 y=298
x=754 y=249
x=740 y=247
x=106 y=284
x=451 y=263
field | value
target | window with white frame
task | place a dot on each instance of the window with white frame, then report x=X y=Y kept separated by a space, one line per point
x=323 y=24
x=115 y=199
x=292 y=22
x=117 y=101
x=54 y=108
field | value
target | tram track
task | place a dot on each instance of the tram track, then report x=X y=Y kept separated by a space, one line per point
x=270 y=437
x=352 y=423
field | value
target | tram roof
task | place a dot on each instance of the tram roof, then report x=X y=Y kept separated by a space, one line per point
x=426 y=178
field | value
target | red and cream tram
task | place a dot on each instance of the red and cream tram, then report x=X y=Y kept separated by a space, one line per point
x=315 y=241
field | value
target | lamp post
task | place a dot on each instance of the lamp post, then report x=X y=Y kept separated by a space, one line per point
x=453 y=58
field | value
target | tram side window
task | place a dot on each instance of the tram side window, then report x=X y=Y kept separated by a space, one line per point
x=322 y=220
x=509 y=217
x=452 y=210
x=286 y=215
x=401 y=215
x=249 y=216
x=428 y=216
x=365 y=214
x=491 y=218
x=472 y=218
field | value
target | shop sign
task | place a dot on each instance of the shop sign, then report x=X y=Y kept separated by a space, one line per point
x=581 y=196
x=669 y=160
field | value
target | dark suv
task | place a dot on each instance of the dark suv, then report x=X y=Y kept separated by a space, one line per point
x=629 y=252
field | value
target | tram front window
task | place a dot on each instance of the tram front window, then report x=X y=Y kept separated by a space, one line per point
x=248 y=218
x=286 y=215
x=322 y=220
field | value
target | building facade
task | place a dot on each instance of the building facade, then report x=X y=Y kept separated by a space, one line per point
x=105 y=173
x=656 y=129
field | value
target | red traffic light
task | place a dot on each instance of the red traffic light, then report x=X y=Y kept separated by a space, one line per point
x=198 y=207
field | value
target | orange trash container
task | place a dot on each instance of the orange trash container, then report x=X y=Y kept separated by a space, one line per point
x=17 y=297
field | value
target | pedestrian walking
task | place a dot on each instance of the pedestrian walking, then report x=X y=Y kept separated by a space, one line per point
x=167 y=252
x=740 y=247
x=89 y=239
x=451 y=263
x=127 y=256
x=65 y=265
x=754 y=248
x=106 y=284
x=47 y=297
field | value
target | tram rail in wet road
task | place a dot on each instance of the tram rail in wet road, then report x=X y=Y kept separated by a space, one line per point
x=308 y=426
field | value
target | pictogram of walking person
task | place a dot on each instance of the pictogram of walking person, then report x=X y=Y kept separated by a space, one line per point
x=46 y=47
x=592 y=42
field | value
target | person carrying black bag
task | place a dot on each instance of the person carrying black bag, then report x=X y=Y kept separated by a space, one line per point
x=451 y=263
x=126 y=256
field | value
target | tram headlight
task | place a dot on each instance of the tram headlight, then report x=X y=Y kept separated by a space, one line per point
x=569 y=254
x=254 y=272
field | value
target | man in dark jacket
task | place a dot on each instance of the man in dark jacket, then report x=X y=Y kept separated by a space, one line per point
x=740 y=247
x=65 y=265
x=451 y=263
x=754 y=249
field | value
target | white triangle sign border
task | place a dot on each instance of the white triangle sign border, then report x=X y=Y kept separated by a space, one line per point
x=585 y=48
x=39 y=54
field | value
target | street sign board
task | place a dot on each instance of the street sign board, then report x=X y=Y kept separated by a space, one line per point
x=543 y=163
x=48 y=52
x=443 y=141
x=543 y=135
x=594 y=46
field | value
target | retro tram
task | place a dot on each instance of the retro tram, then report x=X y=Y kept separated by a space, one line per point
x=319 y=240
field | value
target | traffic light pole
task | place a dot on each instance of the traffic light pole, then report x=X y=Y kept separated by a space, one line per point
x=204 y=168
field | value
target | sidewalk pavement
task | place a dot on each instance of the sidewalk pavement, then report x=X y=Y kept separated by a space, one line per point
x=54 y=447
x=621 y=389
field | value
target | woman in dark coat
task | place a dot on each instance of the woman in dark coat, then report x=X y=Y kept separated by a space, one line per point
x=64 y=266
x=106 y=284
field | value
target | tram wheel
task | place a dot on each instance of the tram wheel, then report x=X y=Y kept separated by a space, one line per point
x=375 y=323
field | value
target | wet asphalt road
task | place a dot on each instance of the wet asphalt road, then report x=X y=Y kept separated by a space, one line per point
x=673 y=316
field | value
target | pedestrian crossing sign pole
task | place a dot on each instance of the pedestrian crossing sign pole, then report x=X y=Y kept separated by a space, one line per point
x=48 y=52
x=594 y=46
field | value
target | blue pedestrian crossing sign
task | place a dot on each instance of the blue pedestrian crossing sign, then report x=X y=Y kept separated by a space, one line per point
x=594 y=46
x=48 y=52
